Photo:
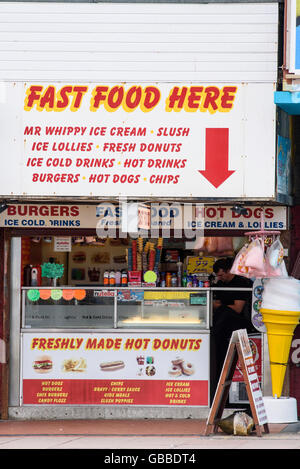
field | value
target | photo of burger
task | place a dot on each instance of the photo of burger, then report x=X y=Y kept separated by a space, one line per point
x=42 y=364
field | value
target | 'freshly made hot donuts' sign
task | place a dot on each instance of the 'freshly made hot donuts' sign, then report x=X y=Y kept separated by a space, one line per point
x=111 y=369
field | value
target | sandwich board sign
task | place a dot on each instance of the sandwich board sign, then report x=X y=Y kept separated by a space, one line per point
x=239 y=350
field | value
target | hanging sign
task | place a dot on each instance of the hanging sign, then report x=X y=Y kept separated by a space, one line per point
x=62 y=244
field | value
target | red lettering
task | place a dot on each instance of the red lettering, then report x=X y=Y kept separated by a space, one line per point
x=115 y=97
x=11 y=210
x=99 y=95
x=48 y=97
x=194 y=98
x=257 y=212
x=210 y=212
x=79 y=90
x=65 y=99
x=33 y=95
x=227 y=98
x=212 y=94
x=133 y=97
x=269 y=212
x=177 y=96
x=152 y=97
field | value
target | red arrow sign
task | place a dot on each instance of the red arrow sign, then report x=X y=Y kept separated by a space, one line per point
x=216 y=156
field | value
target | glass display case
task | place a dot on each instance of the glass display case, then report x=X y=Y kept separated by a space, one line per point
x=111 y=308
x=163 y=308
x=64 y=308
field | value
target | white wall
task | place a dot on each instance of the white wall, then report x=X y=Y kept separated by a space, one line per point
x=138 y=42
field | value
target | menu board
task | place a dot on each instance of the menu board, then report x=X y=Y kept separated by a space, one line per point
x=115 y=369
x=254 y=386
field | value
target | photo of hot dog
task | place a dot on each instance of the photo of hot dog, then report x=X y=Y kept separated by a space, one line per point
x=42 y=364
x=79 y=257
x=112 y=366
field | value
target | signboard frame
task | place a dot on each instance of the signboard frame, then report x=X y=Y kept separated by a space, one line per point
x=57 y=153
x=107 y=217
x=239 y=350
x=87 y=386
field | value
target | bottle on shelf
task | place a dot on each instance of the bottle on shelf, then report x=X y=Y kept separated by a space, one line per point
x=189 y=281
x=27 y=275
x=179 y=272
x=184 y=279
x=174 y=280
x=112 y=278
x=124 y=278
x=118 y=278
x=106 y=278
x=168 y=279
x=195 y=281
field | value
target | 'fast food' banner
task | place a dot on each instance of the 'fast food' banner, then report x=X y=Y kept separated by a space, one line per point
x=115 y=369
x=191 y=140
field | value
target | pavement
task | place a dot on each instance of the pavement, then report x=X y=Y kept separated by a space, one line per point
x=120 y=435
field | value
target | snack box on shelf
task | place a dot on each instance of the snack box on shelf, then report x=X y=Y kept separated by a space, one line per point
x=134 y=276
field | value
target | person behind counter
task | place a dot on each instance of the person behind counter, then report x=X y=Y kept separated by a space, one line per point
x=231 y=309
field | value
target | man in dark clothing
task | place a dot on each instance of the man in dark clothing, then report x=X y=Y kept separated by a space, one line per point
x=231 y=309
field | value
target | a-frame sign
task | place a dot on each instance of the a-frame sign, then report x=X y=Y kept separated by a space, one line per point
x=239 y=350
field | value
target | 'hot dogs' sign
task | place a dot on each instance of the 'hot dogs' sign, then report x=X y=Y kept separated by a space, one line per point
x=184 y=140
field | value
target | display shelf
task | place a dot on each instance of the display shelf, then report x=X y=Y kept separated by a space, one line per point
x=128 y=307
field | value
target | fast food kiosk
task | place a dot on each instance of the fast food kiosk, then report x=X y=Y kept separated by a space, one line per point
x=103 y=336
x=99 y=328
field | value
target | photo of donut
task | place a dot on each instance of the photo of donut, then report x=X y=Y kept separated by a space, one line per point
x=180 y=367
x=188 y=369
x=150 y=370
x=175 y=371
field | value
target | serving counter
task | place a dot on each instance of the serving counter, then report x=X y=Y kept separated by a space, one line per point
x=128 y=346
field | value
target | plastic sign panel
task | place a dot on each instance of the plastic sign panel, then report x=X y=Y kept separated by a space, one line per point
x=190 y=217
x=138 y=140
x=111 y=369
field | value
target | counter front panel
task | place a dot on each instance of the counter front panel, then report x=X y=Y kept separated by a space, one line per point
x=130 y=368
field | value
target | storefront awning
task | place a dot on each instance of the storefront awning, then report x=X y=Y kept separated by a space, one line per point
x=289 y=101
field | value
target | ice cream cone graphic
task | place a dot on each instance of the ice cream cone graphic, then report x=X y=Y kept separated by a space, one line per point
x=280 y=326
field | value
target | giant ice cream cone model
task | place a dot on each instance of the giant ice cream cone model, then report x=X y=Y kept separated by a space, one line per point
x=280 y=310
